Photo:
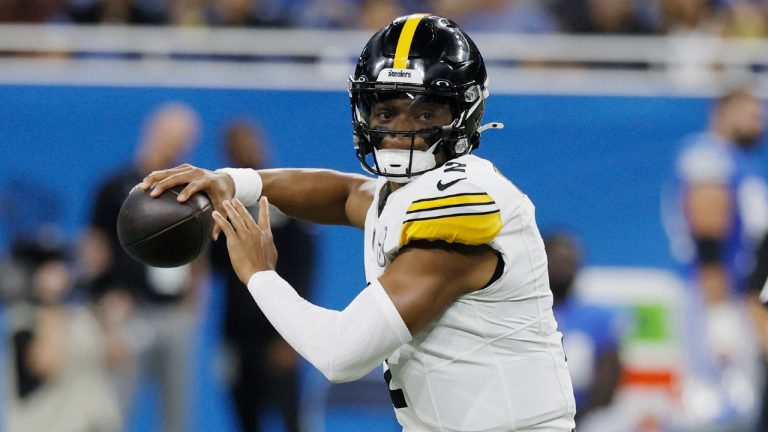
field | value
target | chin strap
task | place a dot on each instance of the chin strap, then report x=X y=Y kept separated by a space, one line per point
x=394 y=163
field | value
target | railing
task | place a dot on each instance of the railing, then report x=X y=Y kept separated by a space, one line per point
x=322 y=59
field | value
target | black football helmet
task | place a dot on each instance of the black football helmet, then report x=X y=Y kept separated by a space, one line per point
x=419 y=57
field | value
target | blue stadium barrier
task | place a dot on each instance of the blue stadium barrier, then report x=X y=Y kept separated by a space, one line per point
x=592 y=164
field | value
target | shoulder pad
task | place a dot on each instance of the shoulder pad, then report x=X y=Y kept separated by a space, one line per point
x=466 y=214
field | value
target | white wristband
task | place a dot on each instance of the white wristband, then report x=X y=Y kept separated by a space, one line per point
x=248 y=184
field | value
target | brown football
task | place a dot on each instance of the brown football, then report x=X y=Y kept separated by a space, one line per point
x=162 y=232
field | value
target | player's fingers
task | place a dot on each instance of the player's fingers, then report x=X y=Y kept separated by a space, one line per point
x=223 y=224
x=215 y=232
x=249 y=222
x=264 y=222
x=235 y=219
x=190 y=189
x=161 y=186
x=218 y=205
x=160 y=175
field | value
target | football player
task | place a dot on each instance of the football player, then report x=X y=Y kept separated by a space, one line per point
x=457 y=306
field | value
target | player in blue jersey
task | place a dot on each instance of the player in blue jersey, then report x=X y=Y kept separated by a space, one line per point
x=717 y=214
x=722 y=197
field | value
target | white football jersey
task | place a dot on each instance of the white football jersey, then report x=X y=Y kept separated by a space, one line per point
x=494 y=360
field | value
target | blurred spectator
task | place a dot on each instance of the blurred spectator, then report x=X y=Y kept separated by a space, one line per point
x=718 y=213
x=513 y=16
x=160 y=327
x=743 y=19
x=118 y=12
x=28 y=11
x=733 y=18
x=324 y=13
x=265 y=366
x=591 y=333
x=722 y=197
x=61 y=356
x=188 y=12
x=686 y=16
x=603 y=17
x=246 y=13
x=375 y=14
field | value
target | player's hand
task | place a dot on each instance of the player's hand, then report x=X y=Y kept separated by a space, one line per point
x=218 y=186
x=250 y=244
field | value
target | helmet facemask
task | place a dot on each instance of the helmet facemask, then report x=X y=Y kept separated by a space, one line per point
x=419 y=56
x=419 y=150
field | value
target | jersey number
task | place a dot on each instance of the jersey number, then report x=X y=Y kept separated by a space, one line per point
x=451 y=166
x=397 y=395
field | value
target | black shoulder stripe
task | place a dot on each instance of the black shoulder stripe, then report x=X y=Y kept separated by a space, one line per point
x=450 y=196
x=415 y=219
x=451 y=206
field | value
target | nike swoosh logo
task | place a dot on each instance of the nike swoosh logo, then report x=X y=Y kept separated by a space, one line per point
x=443 y=186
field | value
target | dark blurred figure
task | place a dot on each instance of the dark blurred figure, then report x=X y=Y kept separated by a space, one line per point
x=513 y=16
x=687 y=16
x=757 y=298
x=32 y=11
x=265 y=366
x=118 y=12
x=246 y=13
x=602 y=17
x=591 y=333
x=61 y=355
x=758 y=280
x=163 y=301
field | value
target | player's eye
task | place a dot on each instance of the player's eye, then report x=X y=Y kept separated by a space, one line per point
x=426 y=116
x=383 y=115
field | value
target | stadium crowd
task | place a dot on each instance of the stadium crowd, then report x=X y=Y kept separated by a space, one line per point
x=736 y=18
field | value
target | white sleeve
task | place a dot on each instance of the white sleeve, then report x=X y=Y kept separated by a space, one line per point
x=343 y=345
x=248 y=184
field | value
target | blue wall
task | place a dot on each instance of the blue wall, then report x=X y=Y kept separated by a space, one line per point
x=592 y=164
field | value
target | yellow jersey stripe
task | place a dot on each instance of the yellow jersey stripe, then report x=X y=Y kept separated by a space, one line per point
x=450 y=201
x=469 y=229
x=404 y=42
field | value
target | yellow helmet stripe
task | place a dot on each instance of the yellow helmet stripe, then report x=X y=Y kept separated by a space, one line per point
x=404 y=43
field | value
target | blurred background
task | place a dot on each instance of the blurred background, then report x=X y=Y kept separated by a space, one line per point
x=600 y=100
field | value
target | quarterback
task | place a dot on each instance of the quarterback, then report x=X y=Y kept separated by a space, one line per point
x=457 y=305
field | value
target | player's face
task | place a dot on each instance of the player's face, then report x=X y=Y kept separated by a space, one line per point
x=564 y=261
x=749 y=122
x=408 y=114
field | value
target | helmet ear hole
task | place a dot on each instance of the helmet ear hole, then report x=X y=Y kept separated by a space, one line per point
x=461 y=146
